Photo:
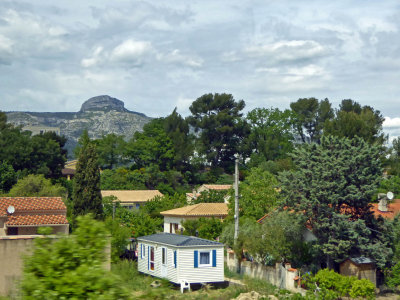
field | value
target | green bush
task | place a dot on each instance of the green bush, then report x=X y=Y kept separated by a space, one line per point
x=333 y=285
x=362 y=288
x=71 y=267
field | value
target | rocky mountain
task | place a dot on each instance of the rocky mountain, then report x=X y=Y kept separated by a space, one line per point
x=100 y=115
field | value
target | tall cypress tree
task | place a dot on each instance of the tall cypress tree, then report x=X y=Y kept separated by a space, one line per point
x=87 y=195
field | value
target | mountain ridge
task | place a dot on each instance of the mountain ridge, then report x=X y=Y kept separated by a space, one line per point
x=100 y=115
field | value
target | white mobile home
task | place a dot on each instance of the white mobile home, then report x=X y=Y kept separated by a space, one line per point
x=181 y=257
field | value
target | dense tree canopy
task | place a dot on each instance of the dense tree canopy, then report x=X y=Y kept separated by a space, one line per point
x=271 y=134
x=38 y=154
x=310 y=116
x=258 y=194
x=37 y=186
x=352 y=120
x=217 y=118
x=110 y=149
x=332 y=187
x=151 y=147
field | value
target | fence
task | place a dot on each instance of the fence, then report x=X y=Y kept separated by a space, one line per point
x=282 y=276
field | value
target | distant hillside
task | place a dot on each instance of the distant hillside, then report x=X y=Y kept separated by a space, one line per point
x=100 y=115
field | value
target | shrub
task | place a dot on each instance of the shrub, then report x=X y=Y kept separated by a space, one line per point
x=71 y=267
x=362 y=288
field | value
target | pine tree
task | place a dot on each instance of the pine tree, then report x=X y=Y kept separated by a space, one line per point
x=332 y=188
x=87 y=195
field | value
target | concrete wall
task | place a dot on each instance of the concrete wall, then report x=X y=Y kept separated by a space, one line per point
x=11 y=264
x=282 y=276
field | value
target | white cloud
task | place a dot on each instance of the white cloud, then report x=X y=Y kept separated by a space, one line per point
x=175 y=56
x=391 y=123
x=131 y=51
x=287 y=51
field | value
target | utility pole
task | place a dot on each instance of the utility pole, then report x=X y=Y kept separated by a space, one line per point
x=236 y=198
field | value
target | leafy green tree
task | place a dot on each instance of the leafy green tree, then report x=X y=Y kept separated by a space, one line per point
x=110 y=149
x=353 y=120
x=217 y=118
x=177 y=129
x=332 y=188
x=279 y=238
x=310 y=116
x=258 y=194
x=71 y=267
x=206 y=228
x=37 y=186
x=211 y=196
x=166 y=202
x=151 y=147
x=271 y=133
x=8 y=177
x=390 y=184
x=124 y=179
x=39 y=154
x=87 y=195
x=48 y=155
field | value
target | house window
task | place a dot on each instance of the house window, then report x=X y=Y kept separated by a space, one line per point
x=164 y=256
x=204 y=258
x=152 y=258
x=12 y=230
x=137 y=205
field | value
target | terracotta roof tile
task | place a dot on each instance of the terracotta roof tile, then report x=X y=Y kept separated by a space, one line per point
x=126 y=196
x=29 y=204
x=219 y=187
x=393 y=209
x=34 y=220
x=199 y=210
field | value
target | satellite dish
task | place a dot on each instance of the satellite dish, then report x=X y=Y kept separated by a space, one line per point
x=390 y=195
x=10 y=209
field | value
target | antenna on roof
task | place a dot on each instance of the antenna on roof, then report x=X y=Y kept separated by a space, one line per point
x=10 y=209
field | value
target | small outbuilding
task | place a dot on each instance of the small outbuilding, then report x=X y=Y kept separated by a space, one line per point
x=360 y=267
x=180 y=258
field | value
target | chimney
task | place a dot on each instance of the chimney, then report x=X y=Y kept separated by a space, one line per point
x=383 y=206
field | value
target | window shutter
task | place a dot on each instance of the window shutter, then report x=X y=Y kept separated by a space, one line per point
x=148 y=258
x=214 y=258
x=196 y=258
x=175 y=258
x=141 y=250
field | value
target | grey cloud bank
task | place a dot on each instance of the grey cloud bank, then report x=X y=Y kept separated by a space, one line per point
x=154 y=56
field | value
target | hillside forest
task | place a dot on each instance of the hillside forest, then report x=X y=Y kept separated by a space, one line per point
x=312 y=166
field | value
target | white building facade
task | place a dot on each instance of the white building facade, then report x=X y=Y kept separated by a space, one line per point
x=180 y=257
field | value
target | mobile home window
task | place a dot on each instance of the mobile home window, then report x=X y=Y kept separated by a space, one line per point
x=152 y=258
x=204 y=258
x=164 y=256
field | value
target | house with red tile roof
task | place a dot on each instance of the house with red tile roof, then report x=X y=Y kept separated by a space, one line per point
x=24 y=215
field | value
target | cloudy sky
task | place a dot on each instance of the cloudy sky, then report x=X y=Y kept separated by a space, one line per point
x=157 y=55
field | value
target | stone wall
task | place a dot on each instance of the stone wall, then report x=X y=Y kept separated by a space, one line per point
x=282 y=276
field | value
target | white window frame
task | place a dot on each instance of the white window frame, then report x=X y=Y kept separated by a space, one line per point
x=154 y=257
x=142 y=250
x=210 y=260
x=166 y=256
